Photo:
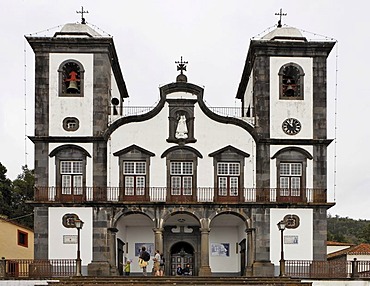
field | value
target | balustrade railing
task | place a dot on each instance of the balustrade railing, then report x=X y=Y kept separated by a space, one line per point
x=327 y=269
x=37 y=268
x=163 y=194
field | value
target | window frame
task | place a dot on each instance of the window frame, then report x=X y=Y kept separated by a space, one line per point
x=25 y=234
x=62 y=76
x=135 y=177
x=299 y=82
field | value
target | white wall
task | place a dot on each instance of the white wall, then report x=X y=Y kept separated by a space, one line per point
x=229 y=263
x=138 y=235
x=283 y=109
x=59 y=250
x=62 y=107
x=152 y=134
x=301 y=251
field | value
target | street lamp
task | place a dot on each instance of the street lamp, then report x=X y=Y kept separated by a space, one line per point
x=281 y=226
x=78 y=223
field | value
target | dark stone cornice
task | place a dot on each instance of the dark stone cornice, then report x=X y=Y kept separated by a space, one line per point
x=65 y=139
x=185 y=148
x=69 y=146
x=281 y=49
x=231 y=149
x=272 y=141
x=296 y=149
x=82 y=45
x=133 y=147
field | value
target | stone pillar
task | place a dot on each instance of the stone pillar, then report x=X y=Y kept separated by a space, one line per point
x=262 y=266
x=101 y=248
x=113 y=253
x=158 y=239
x=250 y=251
x=205 y=269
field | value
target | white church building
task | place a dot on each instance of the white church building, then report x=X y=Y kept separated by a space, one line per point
x=202 y=186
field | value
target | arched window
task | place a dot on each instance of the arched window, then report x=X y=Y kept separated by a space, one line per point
x=71 y=78
x=291 y=78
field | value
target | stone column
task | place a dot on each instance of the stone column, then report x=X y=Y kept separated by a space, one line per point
x=205 y=269
x=113 y=253
x=158 y=239
x=250 y=251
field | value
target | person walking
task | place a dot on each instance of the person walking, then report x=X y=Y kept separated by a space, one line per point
x=144 y=257
x=127 y=268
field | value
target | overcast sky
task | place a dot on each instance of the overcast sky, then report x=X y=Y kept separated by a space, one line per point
x=213 y=36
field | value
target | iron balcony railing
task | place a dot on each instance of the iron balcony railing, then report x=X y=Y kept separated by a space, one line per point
x=37 y=268
x=163 y=194
x=236 y=112
x=327 y=269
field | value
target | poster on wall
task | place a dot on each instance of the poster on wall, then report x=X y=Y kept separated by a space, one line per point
x=220 y=249
x=290 y=239
x=149 y=247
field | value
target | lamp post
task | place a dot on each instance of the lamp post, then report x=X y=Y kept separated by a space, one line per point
x=281 y=226
x=78 y=223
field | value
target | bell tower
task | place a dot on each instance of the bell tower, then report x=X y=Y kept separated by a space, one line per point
x=283 y=85
x=77 y=77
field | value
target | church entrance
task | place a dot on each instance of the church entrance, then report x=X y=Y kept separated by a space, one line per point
x=182 y=253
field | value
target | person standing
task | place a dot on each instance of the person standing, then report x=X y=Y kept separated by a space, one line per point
x=127 y=268
x=144 y=257
x=161 y=265
x=157 y=259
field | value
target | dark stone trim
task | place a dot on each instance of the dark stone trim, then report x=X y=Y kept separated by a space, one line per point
x=133 y=147
x=186 y=148
x=92 y=45
x=60 y=139
x=135 y=118
x=280 y=48
x=297 y=149
x=272 y=141
x=181 y=86
x=230 y=149
x=228 y=120
x=69 y=146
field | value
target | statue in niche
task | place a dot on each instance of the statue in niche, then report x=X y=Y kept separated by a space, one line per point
x=182 y=129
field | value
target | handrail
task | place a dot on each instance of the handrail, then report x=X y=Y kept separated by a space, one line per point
x=164 y=194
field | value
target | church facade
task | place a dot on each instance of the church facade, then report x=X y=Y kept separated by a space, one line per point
x=205 y=186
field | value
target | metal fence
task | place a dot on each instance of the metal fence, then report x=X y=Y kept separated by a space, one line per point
x=37 y=268
x=327 y=269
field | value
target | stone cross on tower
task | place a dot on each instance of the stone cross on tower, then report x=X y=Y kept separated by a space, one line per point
x=181 y=66
x=82 y=15
x=280 y=14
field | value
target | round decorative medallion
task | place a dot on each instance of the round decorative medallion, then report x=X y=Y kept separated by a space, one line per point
x=291 y=126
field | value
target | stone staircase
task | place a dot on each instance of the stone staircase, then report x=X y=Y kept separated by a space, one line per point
x=176 y=281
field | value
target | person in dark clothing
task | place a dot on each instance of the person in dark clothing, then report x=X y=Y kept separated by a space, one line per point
x=179 y=270
x=143 y=264
x=186 y=270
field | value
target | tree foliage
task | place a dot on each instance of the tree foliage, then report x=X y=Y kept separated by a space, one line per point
x=348 y=230
x=15 y=194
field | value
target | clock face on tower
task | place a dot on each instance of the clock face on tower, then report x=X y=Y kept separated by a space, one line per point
x=291 y=126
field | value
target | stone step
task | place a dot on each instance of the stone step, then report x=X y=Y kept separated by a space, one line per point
x=176 y=281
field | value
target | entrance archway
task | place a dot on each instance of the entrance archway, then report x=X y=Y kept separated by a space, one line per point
x=182 y=253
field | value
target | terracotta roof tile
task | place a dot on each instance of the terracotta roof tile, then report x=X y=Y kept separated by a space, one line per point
x=361 y=249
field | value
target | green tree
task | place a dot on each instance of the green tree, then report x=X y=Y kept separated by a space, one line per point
x=5 y=192
x=23 y=193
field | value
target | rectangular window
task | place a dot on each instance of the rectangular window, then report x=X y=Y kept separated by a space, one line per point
x=72 y=177
x=134 y=178
x=181 y=178
x=228 y=174
x=290 y=179
x=22 y=238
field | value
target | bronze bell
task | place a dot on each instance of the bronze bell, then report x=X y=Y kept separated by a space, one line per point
x=73 y=87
